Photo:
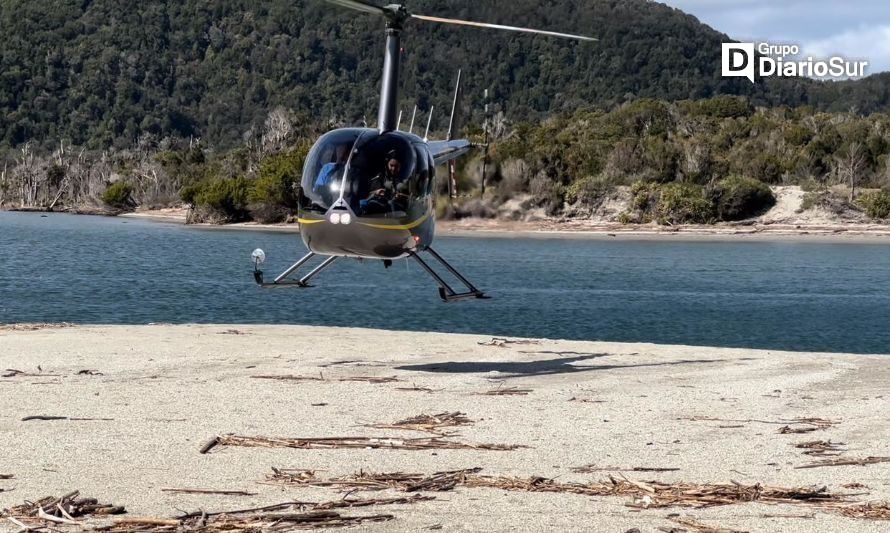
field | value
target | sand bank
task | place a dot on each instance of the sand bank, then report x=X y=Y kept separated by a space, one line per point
x=710 y=415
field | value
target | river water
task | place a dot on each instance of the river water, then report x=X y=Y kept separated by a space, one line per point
x=811 y=296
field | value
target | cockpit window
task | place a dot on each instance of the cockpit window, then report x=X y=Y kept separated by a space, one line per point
x=375 y=175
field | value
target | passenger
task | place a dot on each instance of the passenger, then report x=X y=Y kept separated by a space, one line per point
x=330 y=172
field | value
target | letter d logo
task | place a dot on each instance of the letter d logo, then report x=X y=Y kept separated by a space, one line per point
x=738 y=60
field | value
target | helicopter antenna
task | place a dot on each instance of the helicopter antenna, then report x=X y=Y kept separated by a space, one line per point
x=454 y=111
x=429 y=119
x=396 y=15
x=413 y=114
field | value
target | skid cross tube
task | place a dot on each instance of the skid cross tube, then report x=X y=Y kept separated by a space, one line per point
x=445 y=291
x=305 y=279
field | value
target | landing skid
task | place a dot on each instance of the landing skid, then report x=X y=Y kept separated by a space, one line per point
x=282 y=279
x=447 y=293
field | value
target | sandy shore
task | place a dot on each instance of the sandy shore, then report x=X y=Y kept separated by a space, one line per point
x=712 y=414
x=589 y=229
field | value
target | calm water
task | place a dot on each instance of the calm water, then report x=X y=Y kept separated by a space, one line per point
x=777 y=295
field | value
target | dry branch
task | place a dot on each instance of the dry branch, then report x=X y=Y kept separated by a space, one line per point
x=390 y=443
x=589 y=469
x=363 y=379
x=428 y=423
x=62 y=510
x=869 y=511
x=438 y=482
x=846 y=462
x=209 y=491
x=6 y=476
x=821 y=447
x=794 y=425
x=281 y=517
x=501 y=342
x=506 y=391
x=700 y=527
x=415 y=388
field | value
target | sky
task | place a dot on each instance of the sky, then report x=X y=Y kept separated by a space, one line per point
x=854 y=29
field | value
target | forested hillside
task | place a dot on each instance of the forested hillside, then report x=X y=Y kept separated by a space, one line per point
x=100 y=73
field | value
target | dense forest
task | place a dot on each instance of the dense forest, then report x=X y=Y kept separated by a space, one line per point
x=100 y=73
x=215 y=104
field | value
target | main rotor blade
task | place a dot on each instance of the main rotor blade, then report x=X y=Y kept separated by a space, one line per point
x=499 y=27
x=359 y=5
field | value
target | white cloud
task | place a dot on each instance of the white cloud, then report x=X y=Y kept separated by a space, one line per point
x=856 y=29
x=868 y=43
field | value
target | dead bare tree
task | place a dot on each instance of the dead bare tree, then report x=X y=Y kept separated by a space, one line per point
x=850 y=165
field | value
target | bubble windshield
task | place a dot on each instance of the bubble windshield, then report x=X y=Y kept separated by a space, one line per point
x=376 y=175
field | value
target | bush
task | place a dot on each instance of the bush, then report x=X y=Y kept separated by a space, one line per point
x=684 y=203
x=590 y=191
x=737 y=198
x=876 y=204
x=671 y=203
x=119 y=195
x=223 y=199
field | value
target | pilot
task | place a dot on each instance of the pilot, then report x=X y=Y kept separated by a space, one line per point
x=388 y=192
x=329 y=172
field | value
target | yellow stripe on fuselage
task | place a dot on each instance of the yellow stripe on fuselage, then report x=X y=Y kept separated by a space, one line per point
x=410 y=225
x=309 y=221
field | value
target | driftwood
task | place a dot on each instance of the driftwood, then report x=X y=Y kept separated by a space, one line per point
x=35 y=327
x=794 y=425
x=648 y=494
x=282 y=517
x=6 y=476
x=209 y=491
x=64 y=510
x=502 y=342
x=506 y=391
x=75 y=419
x=589 y=469
x=363 y=379
x=13 y=373
x=846 y=462
x=700 y=527
x=821 y=447
x=428 y=423
x=390 y=443
x=415 y=388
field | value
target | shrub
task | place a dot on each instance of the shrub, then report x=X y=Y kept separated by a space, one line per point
x=589 y=191
x=119 y=195
x=876 y=204
x=737 y=198
x=223 y=198
x=684 y=203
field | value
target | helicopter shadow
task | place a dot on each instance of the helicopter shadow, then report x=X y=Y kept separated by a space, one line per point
x=541 y=367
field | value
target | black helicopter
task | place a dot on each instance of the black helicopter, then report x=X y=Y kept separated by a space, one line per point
x=368 y=193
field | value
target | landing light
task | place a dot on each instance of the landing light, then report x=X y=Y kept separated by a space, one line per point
x=335 y=218
x=345 y=218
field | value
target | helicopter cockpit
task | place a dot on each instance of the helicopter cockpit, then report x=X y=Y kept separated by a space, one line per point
x=374 y=174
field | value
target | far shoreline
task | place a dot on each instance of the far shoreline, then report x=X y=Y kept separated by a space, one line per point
x=580 y=229
x=575 y=229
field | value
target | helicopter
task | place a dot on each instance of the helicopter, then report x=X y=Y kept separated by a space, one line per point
x=368 y=193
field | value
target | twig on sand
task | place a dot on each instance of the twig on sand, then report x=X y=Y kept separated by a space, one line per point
x=280 y=517
x=389 y=443
x=700 y=527
x=588 y=469
x=415 y=388
x=64 y=510
x=428 y=423
x=846 y=462
x=794 y=425
x=209 y=491
x=368 y=481
x=74 y=419
x=506 y=391
x=6 y=476
x=502 y=342
x=365 y=379
x=13 y=373
x=821 y=447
